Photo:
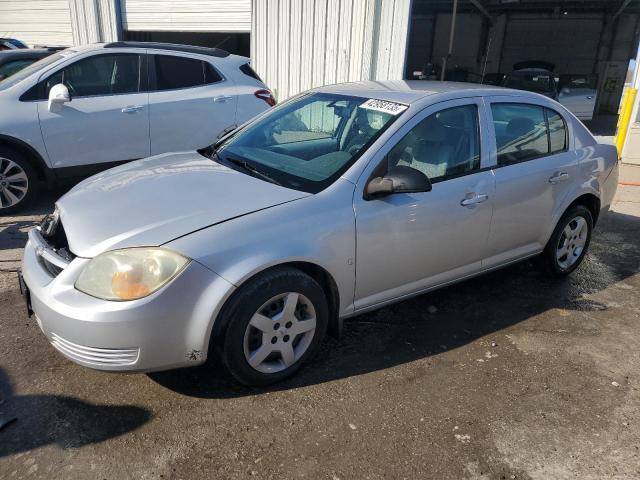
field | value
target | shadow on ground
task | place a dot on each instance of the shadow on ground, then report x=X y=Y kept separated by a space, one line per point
x=64 y=421
x=13 y=229
x=465 y=312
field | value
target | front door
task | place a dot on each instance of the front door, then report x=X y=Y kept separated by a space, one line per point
x=409 y=242
x=107 y=119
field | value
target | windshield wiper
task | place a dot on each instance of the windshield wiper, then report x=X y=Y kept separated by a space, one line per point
x=252 y=170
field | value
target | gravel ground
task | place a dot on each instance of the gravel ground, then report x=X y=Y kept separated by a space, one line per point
x=507 y=376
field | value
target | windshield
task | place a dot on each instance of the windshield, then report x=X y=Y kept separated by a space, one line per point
x=532 y=82
x=34 y=67
x=308 y=142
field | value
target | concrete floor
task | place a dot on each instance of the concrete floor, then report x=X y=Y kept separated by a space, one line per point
x=508 y=376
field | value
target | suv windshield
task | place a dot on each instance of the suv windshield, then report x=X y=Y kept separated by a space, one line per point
x=34 y=67
x=308 y=142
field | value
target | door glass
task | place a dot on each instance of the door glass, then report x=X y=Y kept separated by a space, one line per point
x=521 y=132
x=442 y=145
x=178 y=72
x=100 y=75
x=557 y=132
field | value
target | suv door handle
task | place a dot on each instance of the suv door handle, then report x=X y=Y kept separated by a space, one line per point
x=132 y=109
x=474 y=199
x=558 y=177
x=222 y=98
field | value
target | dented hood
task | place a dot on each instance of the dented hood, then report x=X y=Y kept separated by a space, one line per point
x=152 y=201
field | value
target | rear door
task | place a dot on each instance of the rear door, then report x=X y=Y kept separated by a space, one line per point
x=534 y=171
x=190 y=103
x=578 y=94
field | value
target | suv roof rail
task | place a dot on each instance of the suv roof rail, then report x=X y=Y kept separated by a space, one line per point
x=214 y=52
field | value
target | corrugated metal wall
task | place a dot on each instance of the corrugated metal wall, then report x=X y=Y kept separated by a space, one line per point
x=300 y=44
x=94 y=21
x=186 y=15
x=36 y=21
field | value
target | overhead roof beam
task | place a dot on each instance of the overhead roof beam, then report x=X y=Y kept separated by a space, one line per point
x=621 y=9
x=483 y=10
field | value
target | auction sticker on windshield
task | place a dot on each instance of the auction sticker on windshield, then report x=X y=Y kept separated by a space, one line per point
x=392 y=108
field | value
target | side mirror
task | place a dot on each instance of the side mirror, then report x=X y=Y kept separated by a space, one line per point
x=401 y=179
x=58 y=96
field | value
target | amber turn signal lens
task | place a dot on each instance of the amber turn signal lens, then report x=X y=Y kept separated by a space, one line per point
x=126 y=287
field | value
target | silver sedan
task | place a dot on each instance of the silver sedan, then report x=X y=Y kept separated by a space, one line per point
x=339 y=201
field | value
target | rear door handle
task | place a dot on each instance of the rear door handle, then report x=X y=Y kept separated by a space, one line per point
x=474 y=199
x=558 y=177
x=222 y=98
x=132 y=109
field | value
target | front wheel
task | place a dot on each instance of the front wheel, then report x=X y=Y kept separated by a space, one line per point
x=274 y=324
x=569 y=242
x=18 y=181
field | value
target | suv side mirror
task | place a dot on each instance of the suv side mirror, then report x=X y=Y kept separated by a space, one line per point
x=401 y=179
x=58 y=96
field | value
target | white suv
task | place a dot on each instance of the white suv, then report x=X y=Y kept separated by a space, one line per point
x=88 y=108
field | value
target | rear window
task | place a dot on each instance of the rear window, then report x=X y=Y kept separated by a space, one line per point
x=525 y=131
x=247 y=70
x=173 y=72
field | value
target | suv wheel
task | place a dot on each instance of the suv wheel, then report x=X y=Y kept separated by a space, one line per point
x=275 y=323
x=569 y=242
x=18 y=181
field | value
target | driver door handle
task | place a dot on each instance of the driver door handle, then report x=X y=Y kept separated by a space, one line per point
x=222 y=98
x=132 y=109
x=558 y=177
x=474 y=199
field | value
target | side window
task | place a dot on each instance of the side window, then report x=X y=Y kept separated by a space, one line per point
x=521 y=132
x=99 y=75
x=557 y=132
x=444 y=144
x=211 y=75
x=173 y=72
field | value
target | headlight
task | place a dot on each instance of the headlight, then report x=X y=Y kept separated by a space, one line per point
x=130 y=273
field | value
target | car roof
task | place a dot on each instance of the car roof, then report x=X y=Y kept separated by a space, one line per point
x=411 y=91
x=213 y=52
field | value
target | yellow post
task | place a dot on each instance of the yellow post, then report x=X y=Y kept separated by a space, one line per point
x=625 y=119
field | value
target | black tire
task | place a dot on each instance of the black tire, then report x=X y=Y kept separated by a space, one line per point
x=238 y=312
x=549 y=257
x=33 y=182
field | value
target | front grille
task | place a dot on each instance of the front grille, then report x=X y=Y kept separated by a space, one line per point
x=101 y=357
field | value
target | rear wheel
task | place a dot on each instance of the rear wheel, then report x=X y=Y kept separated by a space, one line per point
x=18 y=181
x=274 y=324
x=569 y=242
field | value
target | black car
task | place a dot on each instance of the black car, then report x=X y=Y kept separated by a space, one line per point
x=12 y=61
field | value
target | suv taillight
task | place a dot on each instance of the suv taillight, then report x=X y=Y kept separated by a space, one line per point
x=267 y=96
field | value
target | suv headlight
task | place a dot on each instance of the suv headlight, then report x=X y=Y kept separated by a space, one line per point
x=130 y=273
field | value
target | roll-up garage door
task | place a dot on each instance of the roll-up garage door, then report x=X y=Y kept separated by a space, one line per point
x=186 y=15
x=36 y=22
x=574 y=40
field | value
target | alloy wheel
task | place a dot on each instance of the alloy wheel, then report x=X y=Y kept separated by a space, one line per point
x=14 y=183
x=572 y=241
x=280 y=332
